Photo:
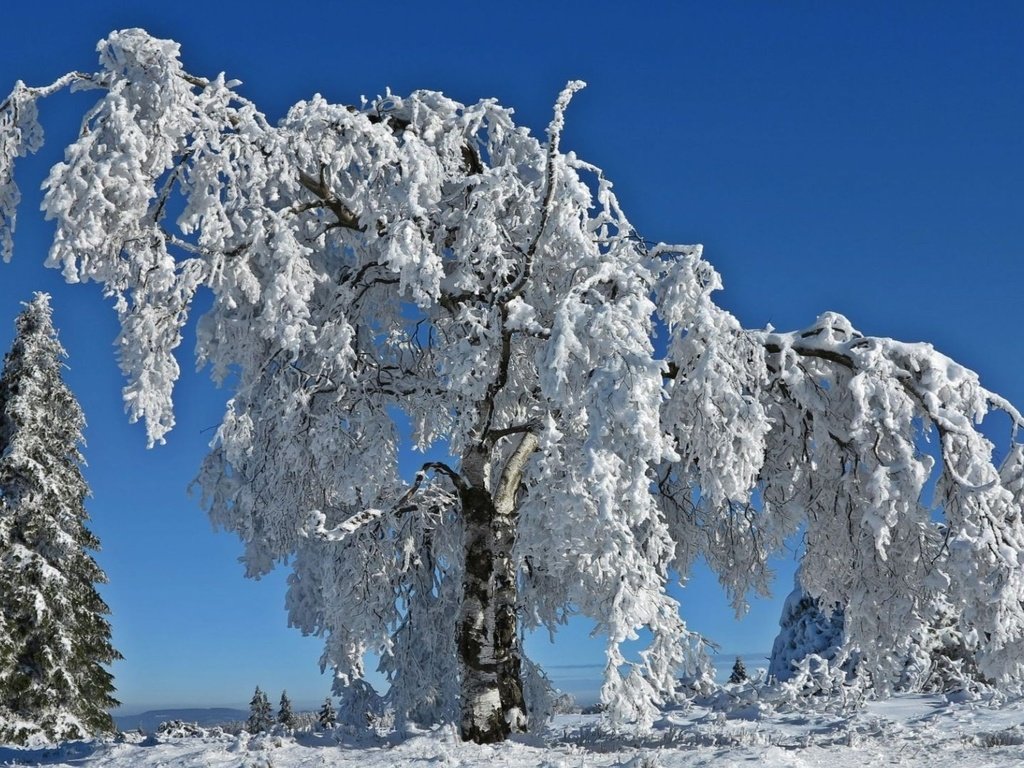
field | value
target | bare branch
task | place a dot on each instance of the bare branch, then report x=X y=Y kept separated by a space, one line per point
x=811 y=351
x=345 y=216
x=494 y=435
x=315 y=524
x=440 y=466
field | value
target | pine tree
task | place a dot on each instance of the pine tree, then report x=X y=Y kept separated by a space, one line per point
x=359 y=704
x=261 y=717
x=739 y=672
x=938 y=657
x=327 y=717
x=805 y=628
x=56 y=638
x=285 y=716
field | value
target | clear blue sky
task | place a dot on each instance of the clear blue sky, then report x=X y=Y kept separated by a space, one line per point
x=866 y=158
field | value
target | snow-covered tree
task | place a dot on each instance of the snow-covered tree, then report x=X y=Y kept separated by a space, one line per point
x=327 y=718
x=261 y=716
x=360 y=705
x=55 y=635
x=285 y=715
x=805 y=628
x=412 y=265
x=939 y=656
x=739 y=672
x=942 y=656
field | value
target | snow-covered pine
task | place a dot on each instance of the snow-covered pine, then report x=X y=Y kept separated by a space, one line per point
x=739 y=672
x=327 y=717
x=414 y=260
x=938 y=657
x=805 y=628
x=360 y=705
x=285 y=715
x=55 y=635
x=261 y=716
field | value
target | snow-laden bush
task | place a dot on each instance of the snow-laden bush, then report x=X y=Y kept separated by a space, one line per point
x=823 y=684
x=942 y=658
x=179 y=729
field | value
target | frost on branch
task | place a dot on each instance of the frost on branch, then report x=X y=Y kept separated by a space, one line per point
x=847 y=455
x=20 y=134
x=419 y=273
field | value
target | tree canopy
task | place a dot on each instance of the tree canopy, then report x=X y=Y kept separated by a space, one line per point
x=415 y=266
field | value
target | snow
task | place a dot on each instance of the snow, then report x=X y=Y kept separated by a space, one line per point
x=906 y=730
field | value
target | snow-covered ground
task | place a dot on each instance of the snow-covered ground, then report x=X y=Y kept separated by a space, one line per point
x=910 y=730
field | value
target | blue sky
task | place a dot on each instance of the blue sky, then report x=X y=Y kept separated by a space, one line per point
x=866 y=158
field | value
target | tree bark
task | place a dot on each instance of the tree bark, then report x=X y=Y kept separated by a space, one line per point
x=489 y=649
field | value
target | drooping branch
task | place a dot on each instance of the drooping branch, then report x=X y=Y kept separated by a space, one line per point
x=844 y=354
x=42 y=91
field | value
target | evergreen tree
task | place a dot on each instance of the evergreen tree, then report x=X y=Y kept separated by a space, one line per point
x=56 y=638
x=360 y=705
x=805 y=627
x=261 y=717
x=285 y=716
x=327 y=717
x=739 y=672
x=938 y=657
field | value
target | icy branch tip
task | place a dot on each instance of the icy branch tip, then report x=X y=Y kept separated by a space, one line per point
x=555 y=127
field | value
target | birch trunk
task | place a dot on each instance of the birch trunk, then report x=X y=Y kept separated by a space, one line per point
x=490 y=655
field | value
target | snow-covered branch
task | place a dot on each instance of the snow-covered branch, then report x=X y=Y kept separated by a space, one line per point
x=316 y=520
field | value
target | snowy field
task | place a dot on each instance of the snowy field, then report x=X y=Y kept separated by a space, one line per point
x=910 y=730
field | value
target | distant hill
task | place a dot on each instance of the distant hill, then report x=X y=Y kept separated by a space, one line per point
x=148 y=721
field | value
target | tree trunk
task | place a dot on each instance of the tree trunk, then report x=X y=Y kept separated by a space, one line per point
x=492 y=691
x=489 y=652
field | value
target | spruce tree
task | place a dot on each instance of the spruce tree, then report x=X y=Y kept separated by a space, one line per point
x=938 y=657
x=260 y=715
x=327 y=717
x=805 y=627
x=739 y=672
x=56 y=639
x=285 y=716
